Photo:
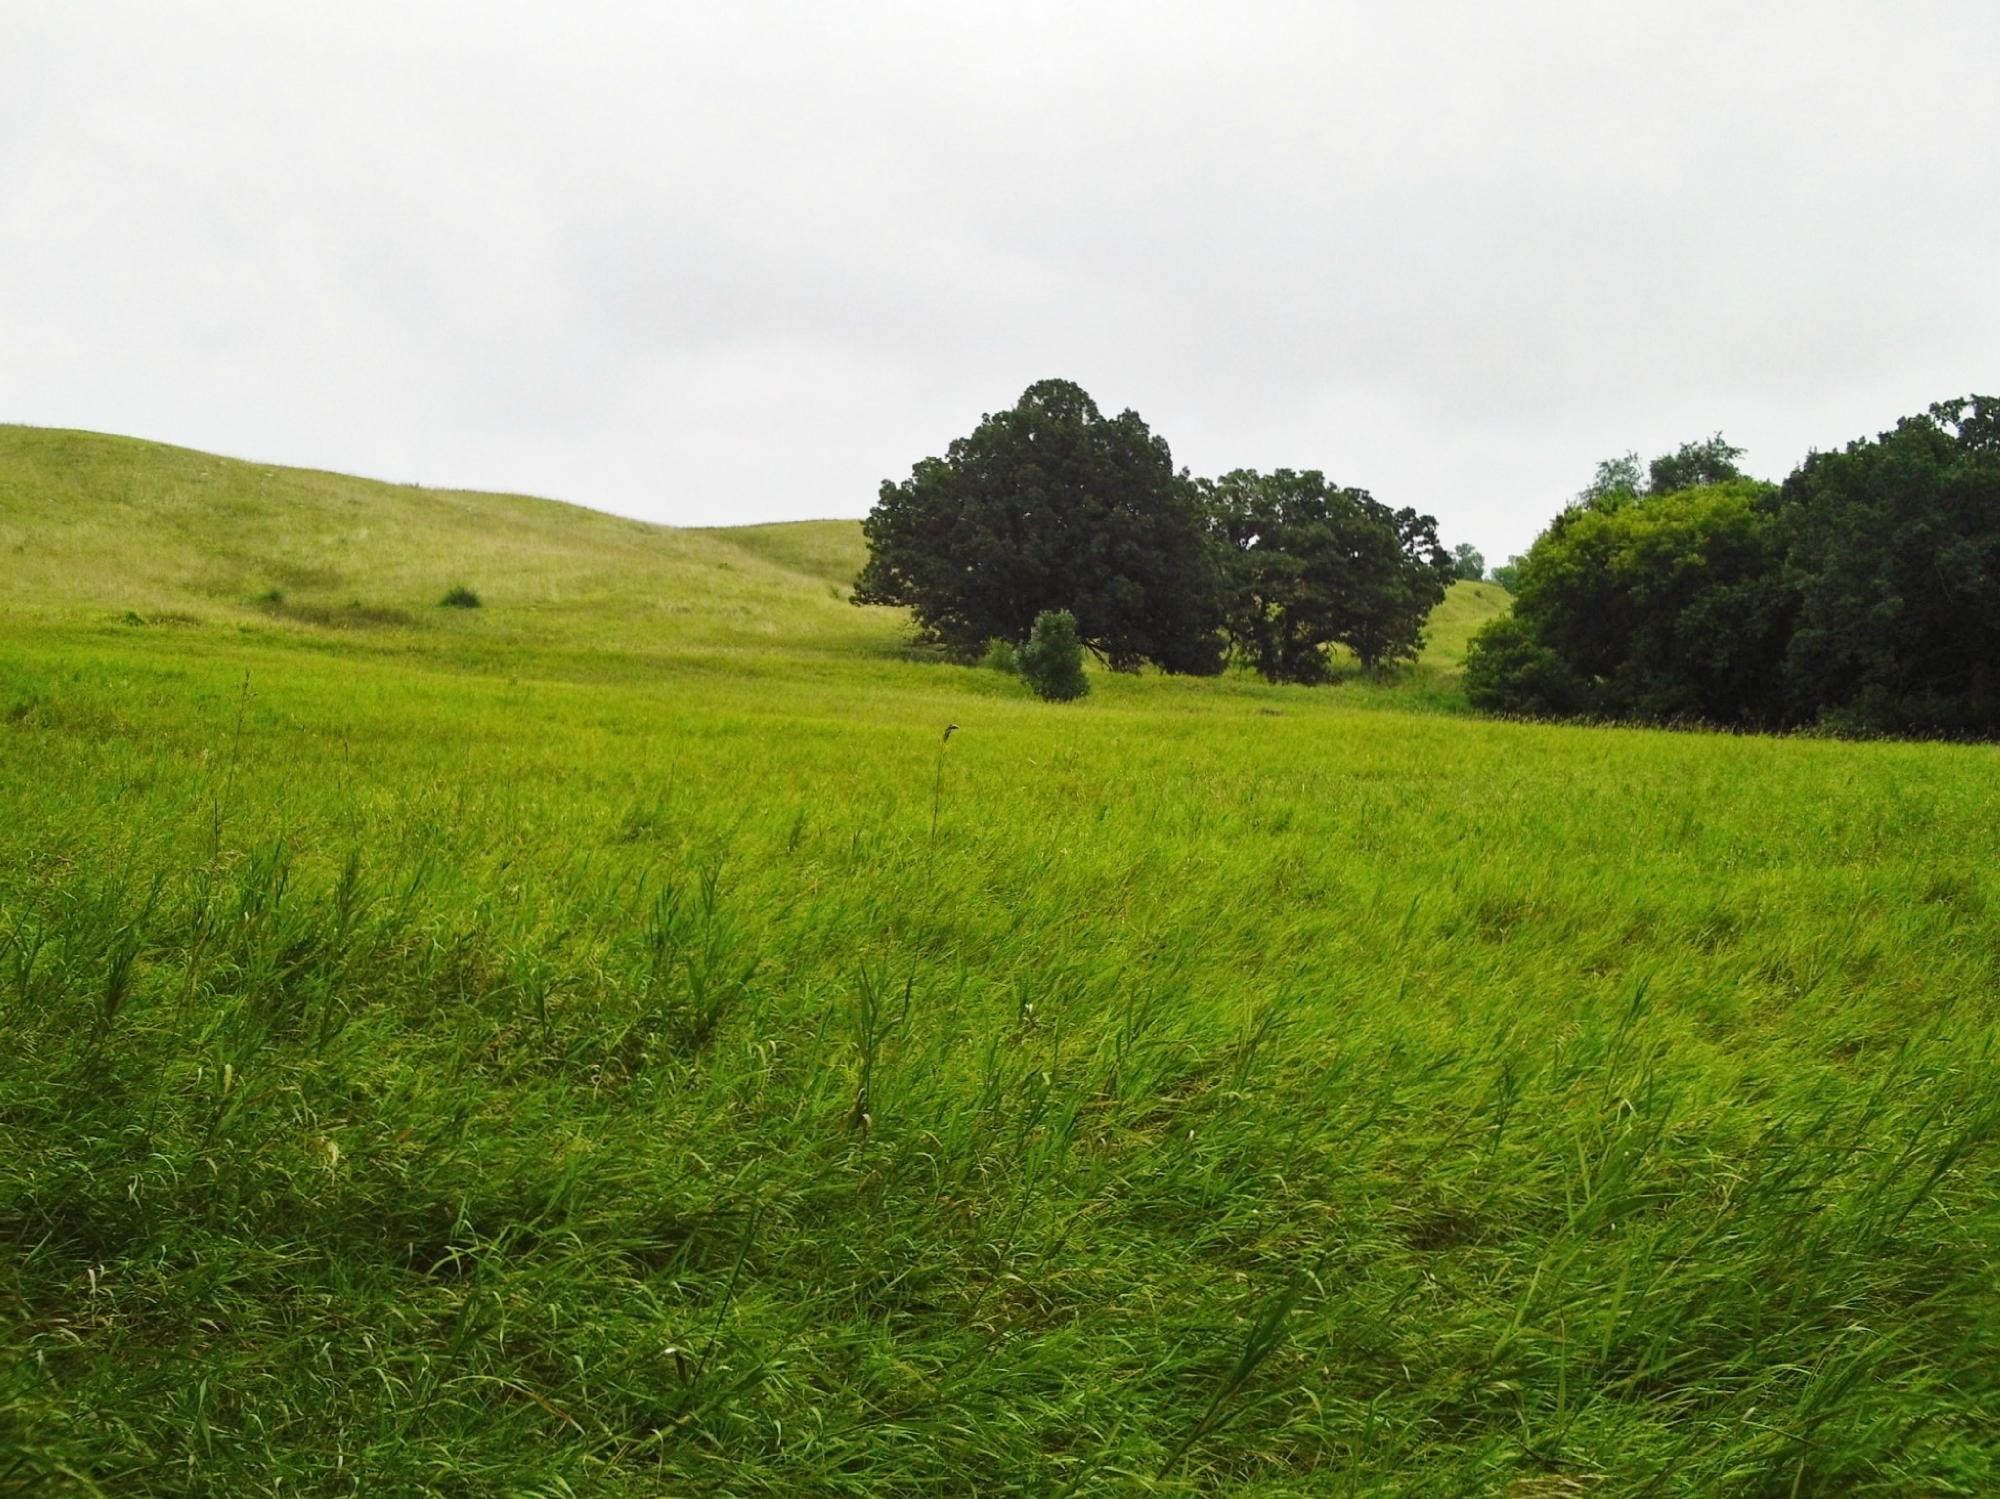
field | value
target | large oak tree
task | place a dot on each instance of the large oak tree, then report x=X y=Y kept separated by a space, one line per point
x=1051 y=505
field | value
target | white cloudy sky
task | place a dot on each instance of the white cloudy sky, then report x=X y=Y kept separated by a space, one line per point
x=735 y=261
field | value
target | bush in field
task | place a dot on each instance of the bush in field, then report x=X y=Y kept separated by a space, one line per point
x=459 y=597
x=1000 y=655
x=1052 y=660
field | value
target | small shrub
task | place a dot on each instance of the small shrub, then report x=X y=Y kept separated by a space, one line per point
x=459 y=597
x=1001 y=656
x=1052 y=660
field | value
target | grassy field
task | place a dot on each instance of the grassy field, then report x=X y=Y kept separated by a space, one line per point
x=608 y=1042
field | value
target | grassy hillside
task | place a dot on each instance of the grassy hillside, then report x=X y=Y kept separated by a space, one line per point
x=93 y=525
x=1466 y=608
x=89 y=522
x=609 y=1043
x=830 y=550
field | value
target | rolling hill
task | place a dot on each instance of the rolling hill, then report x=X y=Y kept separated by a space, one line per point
x=90 y=522
x=118 y=524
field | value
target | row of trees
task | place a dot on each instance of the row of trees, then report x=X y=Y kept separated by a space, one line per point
x=1861 y=594
x=1053 y=506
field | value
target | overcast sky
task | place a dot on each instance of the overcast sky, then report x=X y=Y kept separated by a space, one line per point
x=733 y=262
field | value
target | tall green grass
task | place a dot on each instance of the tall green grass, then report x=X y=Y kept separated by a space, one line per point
x=488 y=1057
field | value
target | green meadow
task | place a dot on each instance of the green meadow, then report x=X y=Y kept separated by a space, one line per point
x=611 y=1042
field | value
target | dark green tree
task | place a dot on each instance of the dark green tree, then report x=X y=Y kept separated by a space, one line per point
x=1897 y=570
x=1307 y=565
x=1508 y=574
x=1467 y=563
x=1052 y=660
x=1051 y=505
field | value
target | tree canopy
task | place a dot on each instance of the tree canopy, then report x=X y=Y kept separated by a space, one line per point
x=1051 y=505
x=1896 y=568
x=1306 y=564
x=1710 y=461
x=1664 y=607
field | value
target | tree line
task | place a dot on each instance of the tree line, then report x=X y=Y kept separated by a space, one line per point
x=1861 y=595
x=1051 y=506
